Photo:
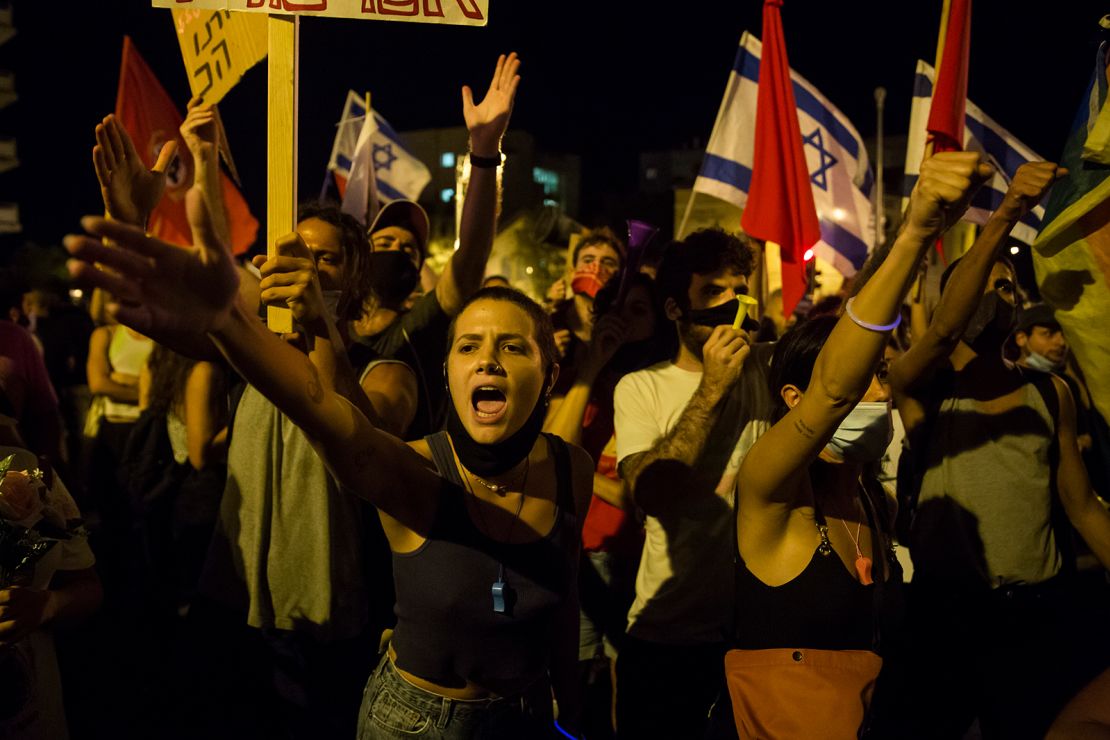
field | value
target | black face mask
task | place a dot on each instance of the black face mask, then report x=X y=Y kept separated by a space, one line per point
x=488 y=460
x=992 y=323
x=393 y=277
x=722 y=315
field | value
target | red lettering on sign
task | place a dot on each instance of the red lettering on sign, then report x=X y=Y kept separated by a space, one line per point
x=430 y=9
x=255 y=3
x=296 y=5
x=469 y=8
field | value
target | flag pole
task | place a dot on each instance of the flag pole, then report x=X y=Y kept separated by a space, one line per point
x=880 y=208
x=686 y=215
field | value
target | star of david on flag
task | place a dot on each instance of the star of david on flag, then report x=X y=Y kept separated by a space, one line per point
x=839 y=169
x=399 y=175
x=981 y=134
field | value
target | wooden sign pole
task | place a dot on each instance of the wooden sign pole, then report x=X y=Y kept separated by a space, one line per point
x=281 y=144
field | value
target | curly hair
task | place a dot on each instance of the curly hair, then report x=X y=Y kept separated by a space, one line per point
x=704 y=252
x=598 y=237
x=356 y=249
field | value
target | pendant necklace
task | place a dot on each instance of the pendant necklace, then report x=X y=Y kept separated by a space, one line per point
x=500 y=590
x=863 y=563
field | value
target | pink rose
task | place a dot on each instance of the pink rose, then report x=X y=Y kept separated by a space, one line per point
x=19 y=498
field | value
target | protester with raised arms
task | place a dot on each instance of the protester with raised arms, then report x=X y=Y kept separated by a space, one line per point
x=399 y=242
x=813 y=542
x=1001 y=627
x=484 y=552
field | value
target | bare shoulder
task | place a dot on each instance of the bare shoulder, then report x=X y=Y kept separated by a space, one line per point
x=420 y=447
x=389 y=372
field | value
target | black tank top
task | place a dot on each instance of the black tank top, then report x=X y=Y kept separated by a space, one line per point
x=447 y=630
x=824 y=607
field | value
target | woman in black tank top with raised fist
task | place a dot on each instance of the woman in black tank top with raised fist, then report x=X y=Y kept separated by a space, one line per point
x=815 y=566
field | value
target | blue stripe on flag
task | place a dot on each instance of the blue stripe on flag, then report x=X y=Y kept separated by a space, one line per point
x=868 y=183
x=991 y=140
x=747 y=65
x=996 y=147
x=847 y=244
x=384 y=188
x=343 y=162
x=726 y=171
x=922 y=86
x=987 y=199
x=388 y=132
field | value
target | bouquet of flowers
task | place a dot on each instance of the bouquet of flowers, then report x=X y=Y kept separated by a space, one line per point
x=30 y=524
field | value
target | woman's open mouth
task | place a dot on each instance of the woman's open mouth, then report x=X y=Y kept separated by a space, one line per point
x=489 y=403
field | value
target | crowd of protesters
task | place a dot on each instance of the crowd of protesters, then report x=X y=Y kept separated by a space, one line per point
x=629 y=512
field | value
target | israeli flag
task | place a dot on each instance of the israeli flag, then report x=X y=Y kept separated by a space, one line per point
x=400 y=175
x=839 y=170
x=981 y=134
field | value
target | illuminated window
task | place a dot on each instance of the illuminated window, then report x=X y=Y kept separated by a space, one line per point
x=547 y=178
x=447 y=160
x=447 y=195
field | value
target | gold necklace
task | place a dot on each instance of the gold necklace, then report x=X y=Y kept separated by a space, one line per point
x=501 y=489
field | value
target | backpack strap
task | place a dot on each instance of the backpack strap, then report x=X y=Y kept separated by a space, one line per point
x=1061 y=525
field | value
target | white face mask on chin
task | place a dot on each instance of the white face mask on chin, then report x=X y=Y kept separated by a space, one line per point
x=864 y=434
x=1038 y=361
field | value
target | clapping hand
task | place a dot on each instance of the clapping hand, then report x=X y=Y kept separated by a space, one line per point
x=130 y=191
x=201 y=131
x=161 y=290
x=488 y=119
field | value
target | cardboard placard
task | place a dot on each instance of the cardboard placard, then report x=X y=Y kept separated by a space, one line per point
x=449 y=12
x=218 y=48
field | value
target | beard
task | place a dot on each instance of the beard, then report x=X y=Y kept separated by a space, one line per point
x=693 y=337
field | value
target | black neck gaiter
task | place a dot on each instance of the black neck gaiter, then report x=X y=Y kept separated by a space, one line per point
x=489 y=460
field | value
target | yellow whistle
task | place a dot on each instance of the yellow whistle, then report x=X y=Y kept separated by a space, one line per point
x=744 y=310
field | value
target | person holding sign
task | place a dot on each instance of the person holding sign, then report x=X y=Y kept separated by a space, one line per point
x=483 y=519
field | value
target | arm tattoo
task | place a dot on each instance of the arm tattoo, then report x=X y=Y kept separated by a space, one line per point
x=686 y=440
x=363 y=458
x=803 y=429
x=314 y=388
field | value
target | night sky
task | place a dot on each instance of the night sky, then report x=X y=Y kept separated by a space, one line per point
x=605 y=84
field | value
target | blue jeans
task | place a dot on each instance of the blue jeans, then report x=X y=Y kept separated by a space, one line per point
x=394 y=708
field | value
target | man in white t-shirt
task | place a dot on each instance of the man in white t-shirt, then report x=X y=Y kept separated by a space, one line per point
x=682 y=428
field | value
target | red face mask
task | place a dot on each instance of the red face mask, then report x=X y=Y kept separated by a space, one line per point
x=590 y=278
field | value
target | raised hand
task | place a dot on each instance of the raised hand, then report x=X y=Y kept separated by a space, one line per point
x=944 y=189
x=162 y=290
x=201 y=131
x=130 y=191
x=723 y=357
x=488 y=120
x=1031 y=181
x=289 y=280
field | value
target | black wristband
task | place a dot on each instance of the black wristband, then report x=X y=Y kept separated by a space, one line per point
x=485 y=162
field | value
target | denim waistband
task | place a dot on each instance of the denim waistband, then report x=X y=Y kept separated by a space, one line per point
x=445 y=707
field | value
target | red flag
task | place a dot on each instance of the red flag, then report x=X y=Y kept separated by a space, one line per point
x=780 y=200
x=946 y=115
x=146 y=110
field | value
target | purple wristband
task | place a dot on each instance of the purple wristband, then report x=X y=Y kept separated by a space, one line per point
x=871 y=327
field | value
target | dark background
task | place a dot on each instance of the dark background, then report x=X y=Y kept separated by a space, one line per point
x=606 y=80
